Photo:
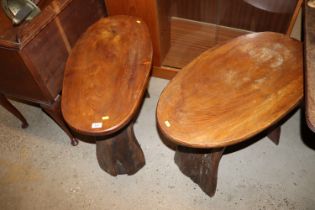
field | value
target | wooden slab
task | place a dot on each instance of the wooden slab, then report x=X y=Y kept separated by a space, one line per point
x=233 y=92
x=106 y=75
x=309 y=32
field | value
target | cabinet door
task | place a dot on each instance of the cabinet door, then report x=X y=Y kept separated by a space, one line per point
x=16 y=79
x=201 y=24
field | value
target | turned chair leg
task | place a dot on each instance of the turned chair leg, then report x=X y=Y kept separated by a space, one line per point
x=274 y=135
x=120 y=154
x=8 y=106
x=200 y=165
x=54 y=111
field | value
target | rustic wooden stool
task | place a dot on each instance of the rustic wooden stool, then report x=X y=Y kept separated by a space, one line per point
x=228 y=95
x=105 y=80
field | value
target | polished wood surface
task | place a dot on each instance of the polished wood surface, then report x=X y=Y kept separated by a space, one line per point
x=233 y=92
x=106 y=75
x=309 y=34
x=155 y=14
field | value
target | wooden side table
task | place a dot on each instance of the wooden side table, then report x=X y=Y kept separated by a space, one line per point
x=228 y=95
x=33 y=54
x=106 y=78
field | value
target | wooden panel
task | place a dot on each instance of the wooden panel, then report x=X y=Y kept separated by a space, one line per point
x=249 y=15
x=7 y=33
x=78 y=16
x=106 y=75
x=5 y=24
x=233 y=92
x=148 y=10
x=190 y=38
x=20 y=35
x=42 y=4
x=72 y=19
x=199 y=10
x=48 y=56
x=310 y=65
x=164 y=28
x=15 y=79
x=164 y=72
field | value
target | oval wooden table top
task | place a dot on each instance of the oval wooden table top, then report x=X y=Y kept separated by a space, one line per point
x=106 y=75
x=230 y=93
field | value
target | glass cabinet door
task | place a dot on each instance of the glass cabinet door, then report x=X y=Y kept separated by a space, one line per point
x=197 y=25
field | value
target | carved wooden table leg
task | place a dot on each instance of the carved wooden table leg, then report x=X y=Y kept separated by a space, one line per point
x=275 y=135
x=120 y=154
x=8 y=106
x=200 y=165
x=54 y=111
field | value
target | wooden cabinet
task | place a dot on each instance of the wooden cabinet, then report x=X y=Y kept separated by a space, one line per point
x=33 y=54
x=182 y=29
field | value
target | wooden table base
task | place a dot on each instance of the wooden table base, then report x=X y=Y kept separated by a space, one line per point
x=120 y=154
x=8 y=106
x=201 y=165
x=274 y=135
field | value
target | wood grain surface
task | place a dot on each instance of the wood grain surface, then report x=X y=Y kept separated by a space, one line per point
x=233 y=92
x=106 y=75
x=310 y=65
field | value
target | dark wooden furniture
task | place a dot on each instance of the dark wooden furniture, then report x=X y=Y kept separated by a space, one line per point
x=33 y=54
x=228 y=95
x=309 y=46
x=105 y=80
x=182 y=29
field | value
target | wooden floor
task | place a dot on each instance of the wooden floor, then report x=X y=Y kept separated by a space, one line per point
x=190 y=38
